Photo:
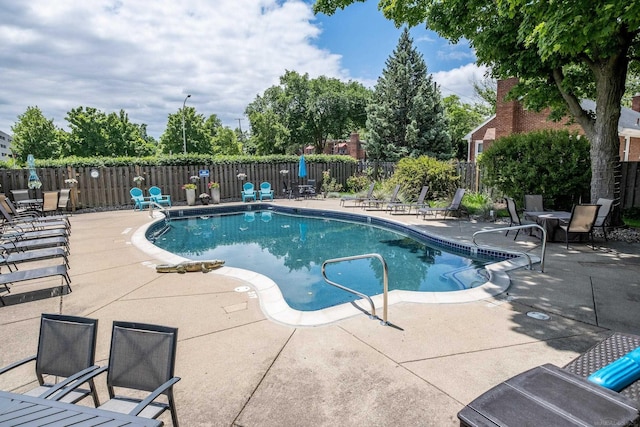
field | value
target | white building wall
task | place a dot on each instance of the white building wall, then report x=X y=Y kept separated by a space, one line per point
x=5 y=143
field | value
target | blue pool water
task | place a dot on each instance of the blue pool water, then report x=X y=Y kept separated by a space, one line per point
x=290 y=250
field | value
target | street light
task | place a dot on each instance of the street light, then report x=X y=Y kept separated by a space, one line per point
x=184 y=135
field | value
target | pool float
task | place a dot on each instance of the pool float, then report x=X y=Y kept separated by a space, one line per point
x=190 y=266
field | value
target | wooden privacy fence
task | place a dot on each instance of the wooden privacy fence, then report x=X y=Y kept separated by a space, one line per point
x=110 y=186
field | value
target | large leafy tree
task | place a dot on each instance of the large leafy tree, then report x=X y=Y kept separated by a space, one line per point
x=198 y=132
x=95 y=133
x=562 y=51
x=406 y=116
x=35 y=134
x=302 y=111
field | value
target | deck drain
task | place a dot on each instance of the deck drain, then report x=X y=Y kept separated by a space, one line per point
x=242 y=289
x=538 y=316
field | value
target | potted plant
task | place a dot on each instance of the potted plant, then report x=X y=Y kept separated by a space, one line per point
x=190 y=189
x=215 y=192
x=138 y=180
x=204 y=198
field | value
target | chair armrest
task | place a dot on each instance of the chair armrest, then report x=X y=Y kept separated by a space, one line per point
x=157 y=392
x=67 y=381
x=93 y=371
x=16 y=364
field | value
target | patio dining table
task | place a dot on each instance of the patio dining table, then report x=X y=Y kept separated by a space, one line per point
x=33 y=204
x=550 y=221
x=19 y=409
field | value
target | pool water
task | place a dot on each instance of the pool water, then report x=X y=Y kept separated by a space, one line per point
x=290 y=250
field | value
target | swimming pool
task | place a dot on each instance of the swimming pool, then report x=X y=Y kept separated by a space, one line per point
x=289 y=241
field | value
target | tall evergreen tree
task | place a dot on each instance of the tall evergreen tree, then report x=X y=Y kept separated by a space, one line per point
x=406 y=116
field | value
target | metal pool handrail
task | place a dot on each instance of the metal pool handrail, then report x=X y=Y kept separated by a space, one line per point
x=520 y=227
x=360 y=294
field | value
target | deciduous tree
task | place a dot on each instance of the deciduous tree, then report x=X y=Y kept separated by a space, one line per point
x=35 y=134
x=562 y=51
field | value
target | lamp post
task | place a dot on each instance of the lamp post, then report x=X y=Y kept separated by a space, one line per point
x=184 y=135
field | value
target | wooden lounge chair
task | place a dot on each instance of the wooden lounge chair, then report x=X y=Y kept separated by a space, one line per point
x=454 y=208
x=358 y=199
x=66 y=347
x=420 y=203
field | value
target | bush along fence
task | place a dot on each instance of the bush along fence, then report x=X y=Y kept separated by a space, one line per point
x=102 y=187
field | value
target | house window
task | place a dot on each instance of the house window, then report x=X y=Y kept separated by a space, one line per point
x=478 y=148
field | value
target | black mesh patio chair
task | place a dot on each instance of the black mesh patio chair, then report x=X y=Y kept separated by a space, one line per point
x=66 y=349
x=142 y=357
x=514 y=216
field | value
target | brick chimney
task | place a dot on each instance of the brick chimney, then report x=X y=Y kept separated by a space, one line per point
x=635 y=102
x=506 y=111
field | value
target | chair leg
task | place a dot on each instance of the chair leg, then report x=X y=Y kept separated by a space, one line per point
x=604 y=231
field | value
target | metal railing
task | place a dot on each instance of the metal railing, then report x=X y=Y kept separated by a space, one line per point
x=520 y=227
x=158 y=206
x=385 y=285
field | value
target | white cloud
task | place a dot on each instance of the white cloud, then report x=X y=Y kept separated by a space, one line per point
x=144 y=57
x=459 y=81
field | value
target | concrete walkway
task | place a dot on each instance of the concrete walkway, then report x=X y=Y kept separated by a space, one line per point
x=240 y=368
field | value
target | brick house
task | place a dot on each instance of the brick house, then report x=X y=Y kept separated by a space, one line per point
x=511 y=117
x=352 y=147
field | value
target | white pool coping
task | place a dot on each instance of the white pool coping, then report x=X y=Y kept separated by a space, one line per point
x=274 y=306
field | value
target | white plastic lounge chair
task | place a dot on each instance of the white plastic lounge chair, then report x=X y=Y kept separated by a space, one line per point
x=66 y=347
x=454 y=207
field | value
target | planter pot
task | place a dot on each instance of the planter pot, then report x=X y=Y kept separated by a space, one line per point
x=191 y=196
x=215 y=196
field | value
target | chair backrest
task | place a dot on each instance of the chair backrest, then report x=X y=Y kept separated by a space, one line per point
x=5 y=213
x=265 y=187
x=312 y=183
x=394 y=194
x=155 y=191
x=67 y=345
x=370 y=191
x=533 y=203
x=583 y=217
x=603 y=212
x=20 y=195
x=457 y=199
x=49 y=201
x=63 y=200
x=513 y=211
x=423 y=195
x=142 y=356
x=247 y=188
x=11 y=208
x=136 y=193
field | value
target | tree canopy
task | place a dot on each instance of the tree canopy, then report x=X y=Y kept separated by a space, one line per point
x=562 y=51
x=301 y=111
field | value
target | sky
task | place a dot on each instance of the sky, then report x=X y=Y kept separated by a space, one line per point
x=145 y=57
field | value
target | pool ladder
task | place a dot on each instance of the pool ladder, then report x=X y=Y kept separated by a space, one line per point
x=520 y=227
x=385 y=292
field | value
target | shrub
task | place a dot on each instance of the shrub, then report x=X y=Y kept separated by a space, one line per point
x=555 y=164
x=357 y=183
x=413 y=173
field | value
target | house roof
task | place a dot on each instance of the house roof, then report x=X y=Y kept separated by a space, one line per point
x=629 y=123
x=467 y=137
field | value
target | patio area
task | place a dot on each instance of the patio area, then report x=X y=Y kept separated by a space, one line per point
x=239 y=368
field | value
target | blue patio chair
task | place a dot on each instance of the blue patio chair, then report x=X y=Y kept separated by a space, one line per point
x=248 y=192
x=266 y=191
x=156 y=195
x=140 y=202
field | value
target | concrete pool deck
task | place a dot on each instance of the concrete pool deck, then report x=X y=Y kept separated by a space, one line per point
x=240 y=368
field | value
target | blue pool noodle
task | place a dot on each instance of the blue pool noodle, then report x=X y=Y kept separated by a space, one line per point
x=619 y=374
